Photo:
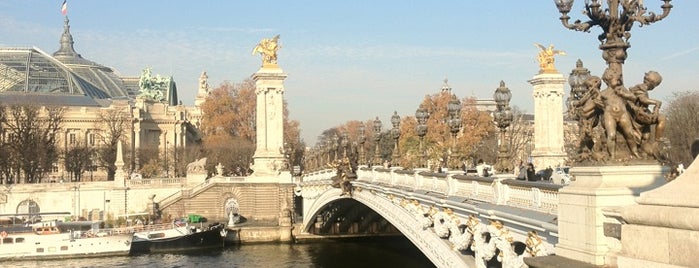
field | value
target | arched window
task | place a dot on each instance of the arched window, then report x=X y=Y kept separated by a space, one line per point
x=29 y=207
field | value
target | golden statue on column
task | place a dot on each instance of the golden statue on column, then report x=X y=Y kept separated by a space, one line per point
x=268 y=49
x=546 y=59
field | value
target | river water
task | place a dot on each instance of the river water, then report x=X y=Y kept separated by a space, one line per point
x=393 y=252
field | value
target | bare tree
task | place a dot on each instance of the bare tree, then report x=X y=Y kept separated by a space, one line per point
x=519 y=135
x=32 y=139
x=6 y=161
x=114 y=124
x=682 y=125
x=76 y=160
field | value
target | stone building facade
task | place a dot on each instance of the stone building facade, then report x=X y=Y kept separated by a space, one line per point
x=156 y=118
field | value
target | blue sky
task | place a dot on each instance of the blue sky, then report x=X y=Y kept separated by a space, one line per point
x=352 y=60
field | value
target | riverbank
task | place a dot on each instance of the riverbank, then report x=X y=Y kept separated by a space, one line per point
x=255 y=233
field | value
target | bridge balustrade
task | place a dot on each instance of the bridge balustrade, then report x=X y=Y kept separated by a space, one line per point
x=156 y=181
x=499 y=190
x=319 y=175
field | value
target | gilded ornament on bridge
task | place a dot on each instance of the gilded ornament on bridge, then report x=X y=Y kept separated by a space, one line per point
x=268 y=49
x=546 y=58
x=344 y=175
x=534 y=244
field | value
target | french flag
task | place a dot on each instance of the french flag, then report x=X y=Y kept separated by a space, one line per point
x=64 y=7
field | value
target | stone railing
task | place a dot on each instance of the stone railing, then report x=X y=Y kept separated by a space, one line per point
x=156 y=181
x=319 y=175
x=499 y=190
x=168 y=200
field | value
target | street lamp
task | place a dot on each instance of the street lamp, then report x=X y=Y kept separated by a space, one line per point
x=421 y=115
x=454 y=109
x=616 y=25
x=395 y=133
x=361 y=140
x=335 y=145
x=577 y=79
x=377 y=140
x=503 y=118
x=328 y=148
x=344 y=142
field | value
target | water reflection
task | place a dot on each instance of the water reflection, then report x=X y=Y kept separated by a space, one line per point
x=384 y=252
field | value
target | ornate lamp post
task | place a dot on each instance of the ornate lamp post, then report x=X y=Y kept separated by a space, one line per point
x=616 y=20
x=335 y=146
x=503 y=118
x=454 y=110
x=395 y=133
x=577 y=79
x=344 y=142
x=615 y=23
x=421 y=115
x=377 y=140
x=328 y=149
x=577 y=88
x=361 y=140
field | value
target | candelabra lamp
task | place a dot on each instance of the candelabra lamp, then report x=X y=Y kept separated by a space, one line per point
x=503 y=119
x=361 y=140
x=454 y=110
x=421 y=114
x=395 y=134
x=377 y=141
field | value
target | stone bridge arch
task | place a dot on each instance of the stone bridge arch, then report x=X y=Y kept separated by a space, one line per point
x=434 y=248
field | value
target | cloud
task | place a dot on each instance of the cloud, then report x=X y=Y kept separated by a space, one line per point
x=681 y=53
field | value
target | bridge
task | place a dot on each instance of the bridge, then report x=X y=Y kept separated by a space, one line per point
x=455 y=220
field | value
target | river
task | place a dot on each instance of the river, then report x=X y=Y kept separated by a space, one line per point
x=393 y=252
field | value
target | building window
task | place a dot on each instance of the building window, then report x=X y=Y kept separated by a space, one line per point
x=71 y=139
x=91 y=139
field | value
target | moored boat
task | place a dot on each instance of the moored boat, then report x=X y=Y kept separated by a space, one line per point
x=177 y=238
x=49 y=240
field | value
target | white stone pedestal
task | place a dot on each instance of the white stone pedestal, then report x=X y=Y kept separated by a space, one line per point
x=663 y=229
x=548 y=120
x=580 y=217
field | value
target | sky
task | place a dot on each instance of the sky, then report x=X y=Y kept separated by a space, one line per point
x=353 y=60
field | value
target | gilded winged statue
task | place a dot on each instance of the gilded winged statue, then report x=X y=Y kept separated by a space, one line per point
x=268 y=49
x=546 y=59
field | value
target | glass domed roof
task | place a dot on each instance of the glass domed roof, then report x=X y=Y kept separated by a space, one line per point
x=66 y=76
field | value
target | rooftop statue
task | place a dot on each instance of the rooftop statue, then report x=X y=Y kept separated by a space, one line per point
x=152 y=87
x=268 y=49
x=546 y=59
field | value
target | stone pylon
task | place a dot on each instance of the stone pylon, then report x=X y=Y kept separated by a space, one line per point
x=548 y=120
x=120 y=175
x=269 y=152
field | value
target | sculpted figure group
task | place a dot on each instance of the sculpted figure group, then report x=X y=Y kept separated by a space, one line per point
x=268 y=49
x=628 y=112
